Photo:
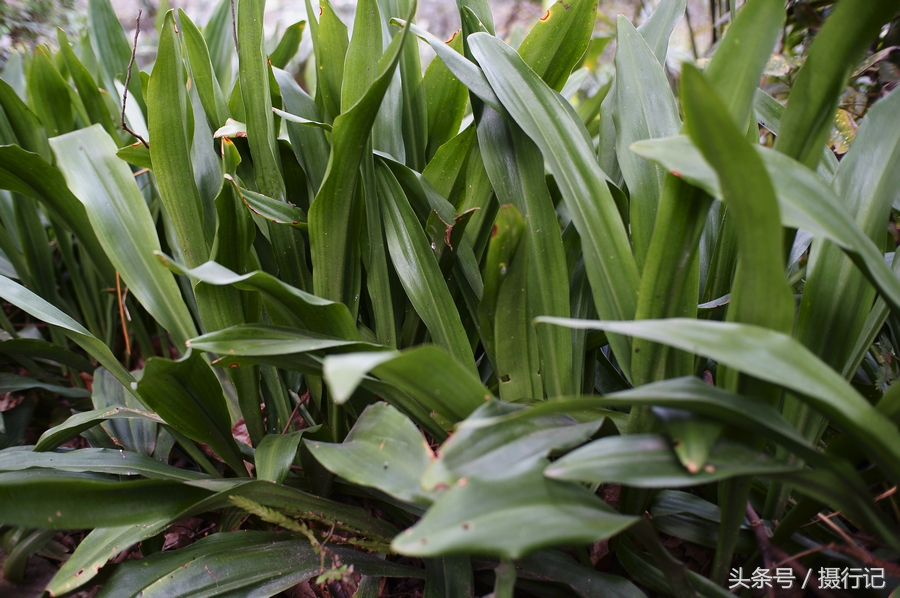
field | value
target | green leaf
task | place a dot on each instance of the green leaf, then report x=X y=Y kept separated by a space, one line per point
x=487 y=518
x=29 y=174
x=203 y=78
x=96 y=460
x=48 y=95
x=266 y=339
x=24 y=124
x=836 y=50
x=42 y=350
x=436 y=380
x=275 y=455
x=554 y=565
x=44 y=311
x=170 y=151
x=102 y=544
x=804 y=200
x=760 y=292
x=122 y=221
x=238 y=564
x=273 y=210
x=520 y=182
x=15 y=383
x=54 y=500
x=331 y=50
x=776 y=358
x=316 y=314
x=307 y=141
x=78 y=423
x=646 y=110
x=113 y=51
x=558 y=40
x=288 y=46
x=418 y=270
x=384 y=450
x=446 y=99
x=556 y=129
x=187 y=395
x=88 y=92
x=494 y=451
x=649 y=461
x=334 y=214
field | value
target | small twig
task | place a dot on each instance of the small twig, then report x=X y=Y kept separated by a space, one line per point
x=291 y=419
x=859 y=551
x=125 y=127
x=122 y=315
x=762 y=539
x=234 y=27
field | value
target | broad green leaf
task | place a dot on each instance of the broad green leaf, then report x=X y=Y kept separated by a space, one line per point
x=805 y=201
x=646 y=110
x=331 y=47
x=670 y=281
x=649 y=461
x=777 y=358
x=254 y=73
x=95 y=460
x=488 y=452
x=54 y=500
x=552 y=125
x=203 y=78
x=92 y=553
x=436 y=380
x=273 y=210
x=317 y=314
x=558 y=40
x=309 y=143
x=288 y=46
x=113 y=51
x=520 y=182
x=188 y=396
x=446 y=99
x=239 y=564
x=48 y=95
x=40 y=349
x=24 y=124
x=170 y=151
x=122 y=221
x=275 y=455
x=836 y=50
x=418 y=270
x=15 y=383
x=656 y=30
x=760 y=292
x=44 y=311
x=333 y=214
x=78 y=423
x=835 y=297
x=463 y=69
x=486 y=517
x=132 y=434
x=266 y=339
x=384 y=450
x=84 y=81
x=362 y=54
x=220 y=41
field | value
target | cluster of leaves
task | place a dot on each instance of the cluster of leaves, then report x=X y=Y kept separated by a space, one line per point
x=389 y=286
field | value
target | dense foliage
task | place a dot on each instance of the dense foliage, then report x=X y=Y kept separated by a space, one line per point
x=452 y=331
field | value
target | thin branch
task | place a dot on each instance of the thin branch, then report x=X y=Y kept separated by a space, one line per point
x=125 y=127
x=762 y=539
x=121 y=302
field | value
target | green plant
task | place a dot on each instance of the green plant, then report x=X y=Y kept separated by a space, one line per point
x=359 y=291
